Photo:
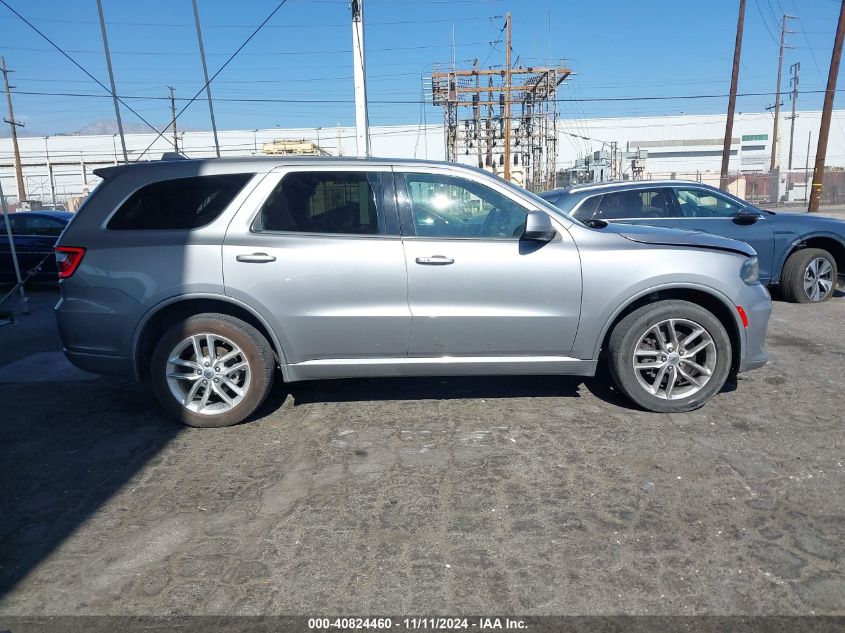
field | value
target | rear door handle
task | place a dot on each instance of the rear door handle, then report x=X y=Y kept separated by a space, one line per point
x=256 y=258
x=435 y=260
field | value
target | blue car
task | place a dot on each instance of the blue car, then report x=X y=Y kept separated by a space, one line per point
x=801 y=253
x=34 y=234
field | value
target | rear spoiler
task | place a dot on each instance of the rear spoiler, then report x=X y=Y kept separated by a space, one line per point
x=107 y=172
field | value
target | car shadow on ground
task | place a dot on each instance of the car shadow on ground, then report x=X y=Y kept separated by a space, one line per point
x=439 y=388
x=66 y=449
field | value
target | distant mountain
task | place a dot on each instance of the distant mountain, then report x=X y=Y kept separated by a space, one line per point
x=109 y=126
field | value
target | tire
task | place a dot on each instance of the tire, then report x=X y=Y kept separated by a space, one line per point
x=247 y=367
x=636 y=332
x=796 y=279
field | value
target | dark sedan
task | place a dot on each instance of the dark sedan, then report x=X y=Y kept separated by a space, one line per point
x=34 y=233
x=800 y=253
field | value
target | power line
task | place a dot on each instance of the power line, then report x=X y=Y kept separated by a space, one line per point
x=403 y=101
x=77 y=64
x=271 y=26
x=264 y=54
x=220 y=70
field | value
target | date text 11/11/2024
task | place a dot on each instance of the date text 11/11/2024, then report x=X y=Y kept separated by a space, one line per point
x=424 y=623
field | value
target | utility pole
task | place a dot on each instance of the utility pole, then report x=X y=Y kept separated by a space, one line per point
x=173 y=118
x=14 y=125
x=783 y=32
x=362 y=123
x=807 y=168
x=794 y=72
x=729 y=126
x=507 y=173
x=824 y=131
x=111 y=80
x=205 y=76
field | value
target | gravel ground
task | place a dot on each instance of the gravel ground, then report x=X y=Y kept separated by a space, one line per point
x=509 y=495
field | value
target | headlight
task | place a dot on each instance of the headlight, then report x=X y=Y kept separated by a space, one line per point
x=750 y=270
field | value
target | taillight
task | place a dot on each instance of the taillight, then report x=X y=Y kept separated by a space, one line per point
x=742 y=316
x=68 y=259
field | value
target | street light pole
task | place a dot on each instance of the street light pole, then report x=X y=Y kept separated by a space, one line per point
x=362 y=124
x=205 y=76
x=111 y=80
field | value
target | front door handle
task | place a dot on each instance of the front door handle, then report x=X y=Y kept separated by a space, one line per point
x=435 y=260
x=256 y=258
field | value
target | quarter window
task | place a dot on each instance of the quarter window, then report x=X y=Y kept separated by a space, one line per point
x=702 y=203
x=445 y=206
x=323 y=202
x=180 y=203
x=630 y=205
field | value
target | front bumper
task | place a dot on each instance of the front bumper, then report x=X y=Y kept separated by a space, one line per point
x=757 y=303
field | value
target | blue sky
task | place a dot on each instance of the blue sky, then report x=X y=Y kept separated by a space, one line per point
x=618 y=48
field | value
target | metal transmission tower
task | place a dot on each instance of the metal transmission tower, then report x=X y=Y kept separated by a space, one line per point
x=510 y=125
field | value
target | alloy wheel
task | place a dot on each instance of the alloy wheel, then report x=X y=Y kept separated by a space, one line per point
x=208 y=374
x=674 y=359
x=818 y=279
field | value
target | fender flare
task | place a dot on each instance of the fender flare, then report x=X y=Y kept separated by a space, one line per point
x=799 y=243
x=158 y=307
x=716 y=294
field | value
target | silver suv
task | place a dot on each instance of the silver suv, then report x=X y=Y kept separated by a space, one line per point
x=204 y=276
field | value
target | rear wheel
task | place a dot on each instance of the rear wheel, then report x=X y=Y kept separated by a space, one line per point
x=809 y=276
x=670 y=356
x=212 y=370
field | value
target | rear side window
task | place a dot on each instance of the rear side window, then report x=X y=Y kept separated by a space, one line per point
x=181 y=203
x=323 y=202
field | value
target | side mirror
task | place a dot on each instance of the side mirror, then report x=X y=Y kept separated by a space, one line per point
x=746 y=216
x=538 y=226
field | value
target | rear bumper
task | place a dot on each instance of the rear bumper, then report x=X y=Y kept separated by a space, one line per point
x=100 y=363
x=95 y=326
x=757 y=303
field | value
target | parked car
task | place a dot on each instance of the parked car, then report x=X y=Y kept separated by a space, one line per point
x=34 y=234
x=801 y=253
x=203 y=276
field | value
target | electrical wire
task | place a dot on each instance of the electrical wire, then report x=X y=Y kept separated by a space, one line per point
x=405 y=101
x=214 y=76
x=77 y=64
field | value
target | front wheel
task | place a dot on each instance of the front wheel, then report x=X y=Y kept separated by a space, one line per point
x=670 y=356
x=212 y=370
x=809 y=276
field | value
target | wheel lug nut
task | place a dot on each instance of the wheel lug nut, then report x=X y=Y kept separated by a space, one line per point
x=216 y=380
x=207 y=364
x=205 y=382
x=216 y=369
x=199 y=372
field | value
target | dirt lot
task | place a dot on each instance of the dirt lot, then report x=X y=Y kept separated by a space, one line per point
x=439 y=496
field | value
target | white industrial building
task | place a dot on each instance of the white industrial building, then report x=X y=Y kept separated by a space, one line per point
x=60 y=167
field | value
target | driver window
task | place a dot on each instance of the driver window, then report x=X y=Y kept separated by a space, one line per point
x=445 y=206
x=635 y=205
x=702 y=203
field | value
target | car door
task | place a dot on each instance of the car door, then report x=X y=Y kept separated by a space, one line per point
x=710 y=211
x=475 y=288
x=637 y=205
x=318 y=252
